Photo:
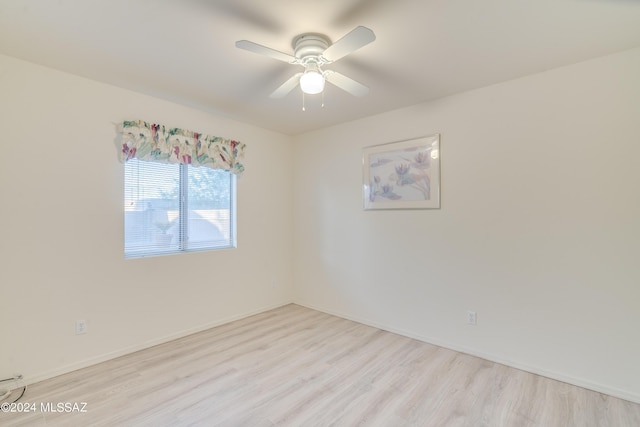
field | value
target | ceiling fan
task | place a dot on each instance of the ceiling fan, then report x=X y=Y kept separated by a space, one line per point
x=313 y=51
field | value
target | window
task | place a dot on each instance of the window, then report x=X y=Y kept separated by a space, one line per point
x=180 y=189
x=174 y=208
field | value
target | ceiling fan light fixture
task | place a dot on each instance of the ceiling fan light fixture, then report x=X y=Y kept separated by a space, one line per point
x=312 y=82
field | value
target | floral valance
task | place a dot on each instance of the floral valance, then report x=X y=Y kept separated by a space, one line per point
x=157 y=143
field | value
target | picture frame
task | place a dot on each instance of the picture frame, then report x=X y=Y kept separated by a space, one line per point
x=403 y=174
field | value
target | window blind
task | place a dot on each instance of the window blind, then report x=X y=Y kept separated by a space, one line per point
x=171 y=208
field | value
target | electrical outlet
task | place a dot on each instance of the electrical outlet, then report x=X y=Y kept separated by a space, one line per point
x=472 y=318
x=81 y=327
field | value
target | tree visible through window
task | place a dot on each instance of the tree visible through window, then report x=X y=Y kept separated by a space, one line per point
x=172 y=208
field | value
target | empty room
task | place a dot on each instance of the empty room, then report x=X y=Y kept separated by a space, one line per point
x=320 y=213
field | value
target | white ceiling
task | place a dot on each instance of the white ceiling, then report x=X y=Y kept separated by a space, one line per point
x=183 y=50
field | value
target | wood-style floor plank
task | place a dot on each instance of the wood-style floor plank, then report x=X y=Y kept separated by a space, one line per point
x=293 y=366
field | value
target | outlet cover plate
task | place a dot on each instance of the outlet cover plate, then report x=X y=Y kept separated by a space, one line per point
x=81 y=327
x=472 y=318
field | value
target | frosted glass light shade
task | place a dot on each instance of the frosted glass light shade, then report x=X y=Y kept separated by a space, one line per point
x=312 y=82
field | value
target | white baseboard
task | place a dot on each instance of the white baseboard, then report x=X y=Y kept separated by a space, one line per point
x=31 y=379
x=580 y=382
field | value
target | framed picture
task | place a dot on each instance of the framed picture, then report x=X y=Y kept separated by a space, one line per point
x=402 y=175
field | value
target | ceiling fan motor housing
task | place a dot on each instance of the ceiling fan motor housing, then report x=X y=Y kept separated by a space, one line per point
x=309 y=48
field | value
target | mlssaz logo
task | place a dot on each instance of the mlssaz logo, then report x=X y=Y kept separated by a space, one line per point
x=63 y=407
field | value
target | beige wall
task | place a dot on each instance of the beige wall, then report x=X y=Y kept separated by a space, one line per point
x=539 y=230
x=61 y=218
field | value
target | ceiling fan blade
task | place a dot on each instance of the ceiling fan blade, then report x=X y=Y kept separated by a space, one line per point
x=286 y=87
x=357 y=38
x=345 y=83
x=267 y=51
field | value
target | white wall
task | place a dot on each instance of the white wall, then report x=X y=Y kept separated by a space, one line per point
x=539 y=230
x=61 y=250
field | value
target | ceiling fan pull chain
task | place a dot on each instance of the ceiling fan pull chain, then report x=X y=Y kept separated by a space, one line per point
x=303 y=109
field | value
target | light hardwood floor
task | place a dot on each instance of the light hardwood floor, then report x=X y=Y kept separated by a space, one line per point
x=293 y=366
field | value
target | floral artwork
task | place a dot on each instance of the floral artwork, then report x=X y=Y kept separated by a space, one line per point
x=403 y=175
